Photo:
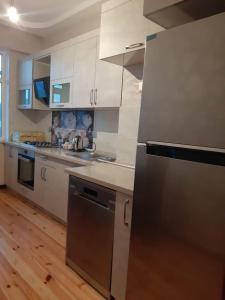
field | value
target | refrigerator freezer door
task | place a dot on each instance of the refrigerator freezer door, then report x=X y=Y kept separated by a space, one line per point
x=178 y=230
x=183 y=98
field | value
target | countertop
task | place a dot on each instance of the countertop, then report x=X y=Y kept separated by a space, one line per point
x=51 y=152
x=109 y=175
x=112 y=175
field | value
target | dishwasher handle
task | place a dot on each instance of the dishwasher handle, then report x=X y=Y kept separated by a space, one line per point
x=89 y=199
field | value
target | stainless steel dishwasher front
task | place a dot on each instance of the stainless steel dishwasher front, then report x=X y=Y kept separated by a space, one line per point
x=90 y=232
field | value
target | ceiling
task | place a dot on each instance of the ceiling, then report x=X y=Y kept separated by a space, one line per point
x=44 y=16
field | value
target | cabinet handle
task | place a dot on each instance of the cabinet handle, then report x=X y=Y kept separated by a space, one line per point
x=91 y=97
x=125 y=212
x=96 y=96
x=133 y=46
x=43 y=157
x=60 y=105
x=41 y=173
x=44 y=174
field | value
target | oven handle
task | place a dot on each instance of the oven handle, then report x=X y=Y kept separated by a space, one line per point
x=24 y=158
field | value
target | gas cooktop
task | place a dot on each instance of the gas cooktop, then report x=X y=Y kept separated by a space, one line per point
x=41 y=144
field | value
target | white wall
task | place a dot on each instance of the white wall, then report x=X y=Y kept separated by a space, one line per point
x=129 y=115
x=18 y=40
x=106 y=130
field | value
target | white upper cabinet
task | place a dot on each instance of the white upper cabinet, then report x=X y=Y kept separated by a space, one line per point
x=96 y=83
x=61 y=74
x=24 y=92
x=124 y=29
x=25 y=72
x=84 y=75
x=62 y=63
x=61 y=93
x=108 y=84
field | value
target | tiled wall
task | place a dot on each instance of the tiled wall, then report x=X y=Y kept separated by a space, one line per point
x=68 y=124
x=129 y=115
x=106 y=130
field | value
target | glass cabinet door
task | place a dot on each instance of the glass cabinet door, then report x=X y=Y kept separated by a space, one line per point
x=61 y=94
x=24 y=98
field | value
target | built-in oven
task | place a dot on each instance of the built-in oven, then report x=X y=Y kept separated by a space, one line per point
x=26 y=160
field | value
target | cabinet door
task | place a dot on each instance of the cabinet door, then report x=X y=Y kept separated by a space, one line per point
x=40 y=185
x=108 y=84
x=56 y=192
x=24 y=97
x=62 y=63
x=124 y=28
x=84 y=77
x=61 y=93
x=25 y=72
x=121 y=245
x=11 y=163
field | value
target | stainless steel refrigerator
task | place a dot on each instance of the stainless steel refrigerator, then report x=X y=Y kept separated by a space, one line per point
x=177 y=248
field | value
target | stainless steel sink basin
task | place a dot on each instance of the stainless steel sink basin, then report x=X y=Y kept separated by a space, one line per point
x=90 y=156
x=84 y=155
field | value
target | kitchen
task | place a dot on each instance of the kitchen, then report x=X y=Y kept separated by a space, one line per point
x=112 y=150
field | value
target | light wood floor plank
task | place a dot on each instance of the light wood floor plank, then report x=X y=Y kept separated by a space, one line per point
x=12 y=285
x=32 y=246
x=52 y=228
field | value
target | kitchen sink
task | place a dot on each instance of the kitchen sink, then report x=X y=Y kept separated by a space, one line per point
x=90 y=156
x=84 y=155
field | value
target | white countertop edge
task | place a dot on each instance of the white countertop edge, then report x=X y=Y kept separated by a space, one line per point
x=47 y=153
x=73 y=172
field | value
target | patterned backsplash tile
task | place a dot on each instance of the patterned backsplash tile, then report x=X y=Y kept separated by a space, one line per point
x=68 y=124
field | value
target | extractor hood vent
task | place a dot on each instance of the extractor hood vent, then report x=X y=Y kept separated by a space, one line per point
x=178 y=12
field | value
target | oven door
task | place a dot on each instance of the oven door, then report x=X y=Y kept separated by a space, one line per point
x=26 y=171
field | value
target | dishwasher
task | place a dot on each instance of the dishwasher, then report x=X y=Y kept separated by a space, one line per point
x=90 y=231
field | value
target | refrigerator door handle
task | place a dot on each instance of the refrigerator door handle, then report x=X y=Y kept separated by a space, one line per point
x=188 y=154
x=126 y=203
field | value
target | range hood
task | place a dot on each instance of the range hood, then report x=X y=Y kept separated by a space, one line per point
x=171 y=13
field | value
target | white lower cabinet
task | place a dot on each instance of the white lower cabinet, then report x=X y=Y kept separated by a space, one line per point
x=122 y=229
x=51 y=185
x=11 y=166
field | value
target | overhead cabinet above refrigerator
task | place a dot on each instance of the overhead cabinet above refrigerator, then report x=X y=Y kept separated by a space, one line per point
x=123 y=31
x=171 y=13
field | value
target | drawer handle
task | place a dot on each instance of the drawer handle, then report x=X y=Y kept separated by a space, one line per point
x=133 y=46
x=43 y=157
x=91 y=97
x=125 y=212
x=95 y=96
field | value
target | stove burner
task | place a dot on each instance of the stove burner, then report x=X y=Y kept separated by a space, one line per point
x=41 y=144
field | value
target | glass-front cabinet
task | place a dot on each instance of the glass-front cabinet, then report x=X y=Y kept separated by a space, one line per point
x=61 y=93
x=24 y=100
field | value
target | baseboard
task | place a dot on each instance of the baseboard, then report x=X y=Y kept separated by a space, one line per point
x=3 y=186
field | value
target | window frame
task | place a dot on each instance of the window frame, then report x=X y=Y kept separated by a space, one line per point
x=3 y=53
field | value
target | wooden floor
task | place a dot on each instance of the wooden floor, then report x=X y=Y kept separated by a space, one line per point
x=32 y=256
